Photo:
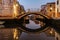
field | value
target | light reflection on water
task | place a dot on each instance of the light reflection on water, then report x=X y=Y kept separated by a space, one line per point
x=1 y=22
x=1 y=26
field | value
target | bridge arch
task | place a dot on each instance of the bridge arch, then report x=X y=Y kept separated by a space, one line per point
x=45 y=20
x=25 y=14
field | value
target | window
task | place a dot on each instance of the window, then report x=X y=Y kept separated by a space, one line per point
x=53 y=14
x=50 y=10
x=57 y=10
x=5 y=2
x=57 y=2
x=11 y=1
x=50 y=5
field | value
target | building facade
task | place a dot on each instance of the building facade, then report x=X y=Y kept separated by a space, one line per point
x=0 y=6
x=9 y=8
x=22 y=9
x=50 y=9
x=43 y=9
x=57 y=35
x=58 y=9
x=6 y=7
x=58 y=5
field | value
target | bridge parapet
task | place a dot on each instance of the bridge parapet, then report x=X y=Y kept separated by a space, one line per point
x=28 y=13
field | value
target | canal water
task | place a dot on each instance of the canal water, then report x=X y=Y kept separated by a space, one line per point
x=33 y=25
x=6 y=34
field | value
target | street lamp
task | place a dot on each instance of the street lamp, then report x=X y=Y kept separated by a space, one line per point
x=15 y=10
x=51 y=8
x=51 y=32
x=22 y=12
x=52 y=12
x=16 y=5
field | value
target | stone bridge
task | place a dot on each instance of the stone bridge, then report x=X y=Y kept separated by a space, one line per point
x=49 y=22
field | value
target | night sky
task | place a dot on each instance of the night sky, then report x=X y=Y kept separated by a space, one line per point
x=34 y=3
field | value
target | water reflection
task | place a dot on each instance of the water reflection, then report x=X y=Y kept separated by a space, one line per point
x=33 y=25
x=7 y=34
x=2 y=26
